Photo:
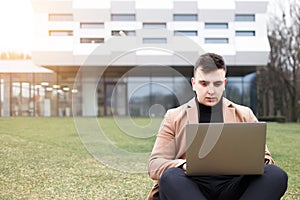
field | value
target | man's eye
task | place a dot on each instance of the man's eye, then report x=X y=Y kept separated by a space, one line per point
x=203 y=83
x=218 y=83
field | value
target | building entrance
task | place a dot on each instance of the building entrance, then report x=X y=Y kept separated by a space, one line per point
x=112 y=98
x=116 y=99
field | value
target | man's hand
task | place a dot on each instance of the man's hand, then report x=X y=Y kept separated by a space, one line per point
x=184 y=166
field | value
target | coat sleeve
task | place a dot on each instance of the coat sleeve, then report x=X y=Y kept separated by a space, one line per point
x=268 y=157
x=163 y=155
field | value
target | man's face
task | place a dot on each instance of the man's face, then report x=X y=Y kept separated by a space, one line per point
x=209 y=86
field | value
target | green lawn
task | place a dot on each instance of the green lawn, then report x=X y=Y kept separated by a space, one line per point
x=45 y=158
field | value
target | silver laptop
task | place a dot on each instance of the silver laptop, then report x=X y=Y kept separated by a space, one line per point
x=225 y=148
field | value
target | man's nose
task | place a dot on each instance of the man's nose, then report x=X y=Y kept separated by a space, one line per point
x=211 y=89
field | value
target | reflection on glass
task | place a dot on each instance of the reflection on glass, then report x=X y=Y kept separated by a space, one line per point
x=151 y=99
x=118 y=99
x=242 y=90
x=138 y=98
x=36 y=94
x=234 y=89
x=16 y=99
x=25 y=99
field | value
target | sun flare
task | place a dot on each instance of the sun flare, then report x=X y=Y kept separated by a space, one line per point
x=16 y=25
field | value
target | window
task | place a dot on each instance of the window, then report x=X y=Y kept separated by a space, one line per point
x=92 y=40
x=154 y=25
x=60 y=17
x=185 y=17
x=91 y=25
x=185 y=33
x=245 y=33
x=122 y=17
x=216 y=40
x=216 y=25
x=122 y=33
x=245 y=17
x=60 y=33
x=154 y=40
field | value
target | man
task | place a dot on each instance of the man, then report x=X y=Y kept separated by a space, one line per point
x=167 y=161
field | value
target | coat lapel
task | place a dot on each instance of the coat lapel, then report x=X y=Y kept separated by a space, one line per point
x=192 y=112
x=228 y=111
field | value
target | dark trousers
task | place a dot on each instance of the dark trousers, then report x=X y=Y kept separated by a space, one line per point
x=174 y=184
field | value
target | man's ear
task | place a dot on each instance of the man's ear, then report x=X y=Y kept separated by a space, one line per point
x=193 y=83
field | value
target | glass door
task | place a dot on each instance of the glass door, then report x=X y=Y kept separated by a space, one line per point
x=115 y=99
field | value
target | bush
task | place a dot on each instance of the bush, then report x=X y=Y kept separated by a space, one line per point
x=279 y=118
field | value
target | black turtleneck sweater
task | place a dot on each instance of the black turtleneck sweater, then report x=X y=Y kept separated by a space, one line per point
x=210 y=114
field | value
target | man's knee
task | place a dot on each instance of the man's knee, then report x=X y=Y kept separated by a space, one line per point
x=170 y=175
x=277 y=175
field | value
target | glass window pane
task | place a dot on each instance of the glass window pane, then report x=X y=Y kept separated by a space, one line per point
x=138 y=96
x=60 y=17
x=91 y=25
x=122 y=33
x=245 y=17
x=60 y=33
x=122 y=17
x=216 y=40
x=162 y=98
x=5 y=95
x=183 y=89
x=92 y=40
x=185 y=17
x=151 y=96
x=234 y=89
x=154 y=25
x=185 y=33
x=216 y=25
x=154 y=40
x=245 y=33
x=16 y=101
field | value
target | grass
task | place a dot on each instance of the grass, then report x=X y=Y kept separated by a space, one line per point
x=59 y=158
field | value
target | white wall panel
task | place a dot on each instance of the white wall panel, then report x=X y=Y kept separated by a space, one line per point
x=151 y=11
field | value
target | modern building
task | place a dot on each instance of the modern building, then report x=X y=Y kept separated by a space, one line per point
x=126 y=57
x=24 y=89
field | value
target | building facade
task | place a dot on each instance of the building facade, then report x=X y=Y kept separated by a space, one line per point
x=28 y=90
x=136 y=58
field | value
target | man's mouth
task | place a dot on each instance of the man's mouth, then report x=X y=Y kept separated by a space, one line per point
x=210 y=99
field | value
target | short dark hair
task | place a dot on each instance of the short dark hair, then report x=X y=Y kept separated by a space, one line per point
x=210 y=62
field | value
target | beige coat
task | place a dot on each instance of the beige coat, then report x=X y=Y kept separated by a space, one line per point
x=169 y=148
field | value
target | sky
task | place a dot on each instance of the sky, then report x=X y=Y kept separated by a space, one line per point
x=16 y=22
x=16 y=25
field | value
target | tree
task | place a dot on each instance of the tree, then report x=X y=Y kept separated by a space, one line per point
x=11 y=55
x=278 y=81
